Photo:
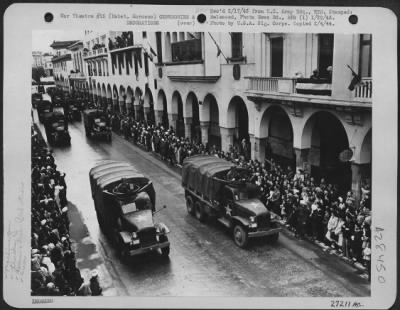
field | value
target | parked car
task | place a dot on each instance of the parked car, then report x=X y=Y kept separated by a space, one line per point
x=217 y=188
x=97 y=124
x=125 y=200
x=56 y=129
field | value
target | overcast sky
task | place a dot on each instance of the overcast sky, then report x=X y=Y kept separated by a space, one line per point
x=41 y=39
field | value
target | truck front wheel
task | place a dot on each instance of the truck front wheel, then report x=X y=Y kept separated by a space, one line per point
x=199 y=211
x=189 y=205
x=240 y=236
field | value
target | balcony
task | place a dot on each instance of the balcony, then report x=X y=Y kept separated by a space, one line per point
x=61 y=58
x=306 y=90
x=99 y=52
x=77 y=76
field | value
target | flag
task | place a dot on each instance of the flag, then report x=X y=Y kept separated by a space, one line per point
x=354 y=81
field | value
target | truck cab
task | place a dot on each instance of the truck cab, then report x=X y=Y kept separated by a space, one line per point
x=216 y=188
x=125 y=205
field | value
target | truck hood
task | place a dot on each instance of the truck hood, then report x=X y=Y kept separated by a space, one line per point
x=253 y=205
x=140 y=219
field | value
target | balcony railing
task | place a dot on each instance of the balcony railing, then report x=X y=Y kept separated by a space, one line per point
x=364 y=89
x=95 y=52
x=272 y=84
x=189 y=50
x=290 y=86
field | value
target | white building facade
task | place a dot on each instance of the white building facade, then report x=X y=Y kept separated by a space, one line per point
x=62 y=64
x=78 y=75
x=226 y=88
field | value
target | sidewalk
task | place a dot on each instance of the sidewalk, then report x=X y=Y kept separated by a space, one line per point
x=177 y=169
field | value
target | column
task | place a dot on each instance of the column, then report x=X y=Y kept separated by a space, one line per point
x=301 y=157
x=188 y=128
x=146 y=111
x=172 y=118
x=254 y=147
x=109 y=104
x=226 y=138
x=115 y=104
x=121 y=102
x=258 y=148
x=204 y=127
x=136 y=109
x=356 y=180
x=159 y=116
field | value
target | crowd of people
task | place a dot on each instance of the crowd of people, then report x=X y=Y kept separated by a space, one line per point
x=54 y=271
x=315 y=209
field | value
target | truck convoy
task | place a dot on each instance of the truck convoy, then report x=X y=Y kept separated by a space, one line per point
x=125 y=204
x=217 y=188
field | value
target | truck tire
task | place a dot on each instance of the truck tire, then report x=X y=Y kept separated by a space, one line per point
x=240 y=236
x=199 y=211
x=190 y=205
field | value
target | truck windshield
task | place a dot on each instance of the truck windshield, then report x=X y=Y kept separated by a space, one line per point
x=128 y=208
x=241 y=195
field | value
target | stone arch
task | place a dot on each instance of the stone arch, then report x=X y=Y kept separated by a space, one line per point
x=121 y=99
x=161 y=109
x=276 y=136
x=238 y=119
x=325 y=137
x=177 y=120
x=148 y=106
x=192 y=117
x=115 y=98
x=138 y=104
x=209 y=121
x=129 y=100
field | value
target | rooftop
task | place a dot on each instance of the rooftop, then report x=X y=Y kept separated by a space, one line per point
x=62 y=44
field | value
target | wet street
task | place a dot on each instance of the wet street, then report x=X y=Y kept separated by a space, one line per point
x=204 y=260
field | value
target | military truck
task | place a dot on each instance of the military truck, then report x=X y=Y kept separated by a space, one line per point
x=56 y=128
x=125 y=201
x=218 y=189
x=44 y=106
x=96 y=124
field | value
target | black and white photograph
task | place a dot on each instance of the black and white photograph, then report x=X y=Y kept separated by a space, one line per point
x=200 y=164
x=259 y=145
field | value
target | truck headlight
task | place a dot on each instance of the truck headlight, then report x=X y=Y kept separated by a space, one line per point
x=135 y=241
x=253 y=223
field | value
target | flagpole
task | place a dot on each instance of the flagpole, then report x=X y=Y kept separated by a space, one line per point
x=219 y=50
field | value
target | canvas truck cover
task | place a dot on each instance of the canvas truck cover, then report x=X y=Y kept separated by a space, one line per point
x=108 y=171
x=199 y=173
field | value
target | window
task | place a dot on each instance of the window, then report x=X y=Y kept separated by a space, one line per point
x=159 y=47
x=325 y=54
x=276 y=57
x=237 y=45
x=188 y=50
x=365 y=55
x=144 y=34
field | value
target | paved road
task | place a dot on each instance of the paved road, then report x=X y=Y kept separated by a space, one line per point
x=203 y=261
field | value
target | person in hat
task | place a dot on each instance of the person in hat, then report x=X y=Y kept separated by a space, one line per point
x=95 y=284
